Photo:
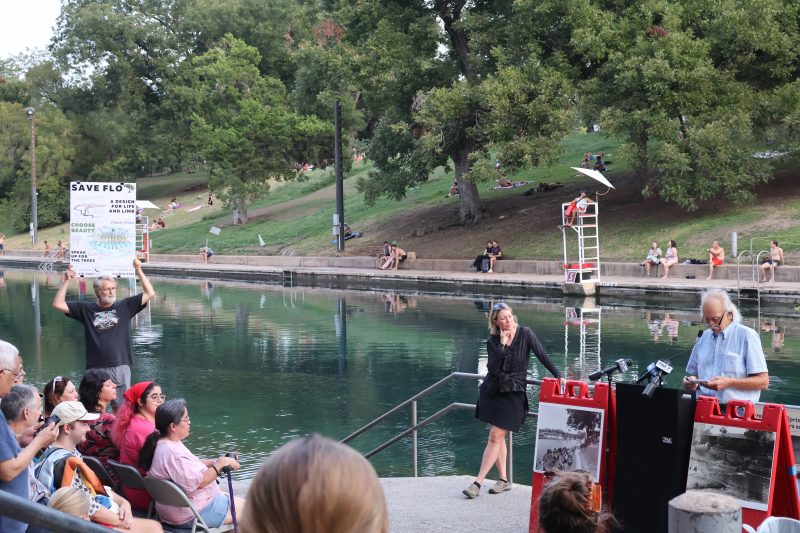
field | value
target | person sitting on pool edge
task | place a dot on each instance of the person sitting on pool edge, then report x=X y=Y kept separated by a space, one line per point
x=495 y=253
x=397 y=256
x=775 y=260
x=716 y=256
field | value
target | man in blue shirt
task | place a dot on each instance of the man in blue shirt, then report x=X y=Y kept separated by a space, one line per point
x=14 y=460
x=727 y=361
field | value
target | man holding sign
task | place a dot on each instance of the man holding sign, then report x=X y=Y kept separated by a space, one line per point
x=106 y=323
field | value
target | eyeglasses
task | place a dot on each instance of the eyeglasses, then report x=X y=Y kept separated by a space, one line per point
x=187 y=420
x=56 y=380
x=13 y=373
x=497 y=307
x=157 y=396
x=714 y=321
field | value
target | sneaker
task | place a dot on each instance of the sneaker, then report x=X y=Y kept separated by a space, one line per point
x=490 y=271
x=500 y=486
x=473 y=491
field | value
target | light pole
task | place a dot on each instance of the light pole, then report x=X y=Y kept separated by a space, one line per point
x=34 y=211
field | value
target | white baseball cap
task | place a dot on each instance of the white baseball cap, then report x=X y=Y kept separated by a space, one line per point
x=70 y=412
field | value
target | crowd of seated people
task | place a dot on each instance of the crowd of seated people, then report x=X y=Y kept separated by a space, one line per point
x=324 y=486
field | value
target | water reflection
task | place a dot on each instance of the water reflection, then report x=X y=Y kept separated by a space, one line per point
x=261 y=364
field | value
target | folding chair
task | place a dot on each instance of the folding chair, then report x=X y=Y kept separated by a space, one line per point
x=130 y=477
x=101 y=472
x=168 y=493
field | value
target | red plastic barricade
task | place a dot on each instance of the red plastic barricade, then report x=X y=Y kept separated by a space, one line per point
x=573 y=428
x=745 y=456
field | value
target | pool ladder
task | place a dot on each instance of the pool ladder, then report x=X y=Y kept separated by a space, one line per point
x=416 y=425
x=288 y=278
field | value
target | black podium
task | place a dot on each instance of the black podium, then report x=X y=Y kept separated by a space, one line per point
x=654 y=439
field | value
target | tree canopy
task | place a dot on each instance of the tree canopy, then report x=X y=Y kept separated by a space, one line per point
x=246 y=87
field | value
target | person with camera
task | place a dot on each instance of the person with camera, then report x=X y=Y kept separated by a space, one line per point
x=727 y=361
x=164 y=456
x=14 y=460
x=503 y=401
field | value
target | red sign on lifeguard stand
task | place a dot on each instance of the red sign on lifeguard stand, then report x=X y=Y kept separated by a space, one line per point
x=745 y=456
x=573 y=431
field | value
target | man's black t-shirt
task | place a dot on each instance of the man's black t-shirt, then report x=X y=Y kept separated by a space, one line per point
x=108 y=342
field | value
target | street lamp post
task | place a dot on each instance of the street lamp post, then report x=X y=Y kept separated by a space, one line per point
x=34 y=208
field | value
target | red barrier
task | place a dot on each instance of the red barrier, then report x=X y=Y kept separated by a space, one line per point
x=577 y=394
x=783 y=494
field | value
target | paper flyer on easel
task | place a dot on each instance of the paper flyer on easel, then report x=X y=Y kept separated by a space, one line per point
x=102 y=228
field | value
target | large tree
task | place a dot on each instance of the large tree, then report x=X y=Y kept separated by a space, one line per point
x=444 y=91
x=683 y=84
x=242 y=124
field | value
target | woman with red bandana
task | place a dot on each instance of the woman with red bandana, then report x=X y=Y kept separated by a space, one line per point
x=135 y=421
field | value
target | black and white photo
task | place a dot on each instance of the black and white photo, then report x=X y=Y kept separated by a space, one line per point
x=732 y=461
x=569 y=438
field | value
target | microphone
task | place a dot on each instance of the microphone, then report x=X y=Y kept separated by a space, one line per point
x=662 y=369
x=620 y=364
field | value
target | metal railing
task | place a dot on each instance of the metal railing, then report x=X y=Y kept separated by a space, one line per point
x=415 y=426
x=36 y=514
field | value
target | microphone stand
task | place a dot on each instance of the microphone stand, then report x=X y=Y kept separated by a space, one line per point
x=608 y=432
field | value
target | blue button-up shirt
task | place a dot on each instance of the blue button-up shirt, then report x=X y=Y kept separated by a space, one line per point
x=734 y=353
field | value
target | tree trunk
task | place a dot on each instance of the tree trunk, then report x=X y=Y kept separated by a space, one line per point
x=469 y=201
x=240 y=211
x=639 y=138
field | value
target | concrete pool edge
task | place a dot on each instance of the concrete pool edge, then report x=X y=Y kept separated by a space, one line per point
x=318 y=272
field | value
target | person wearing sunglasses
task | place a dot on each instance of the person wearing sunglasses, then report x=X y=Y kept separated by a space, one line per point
x=106 y=323
x=57 y=390
x=727 y=361
x=503 y=400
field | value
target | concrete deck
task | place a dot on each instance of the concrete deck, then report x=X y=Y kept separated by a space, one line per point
x=425 y=504
x=620 y=281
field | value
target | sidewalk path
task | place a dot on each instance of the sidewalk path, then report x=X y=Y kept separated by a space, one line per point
x=435 y=504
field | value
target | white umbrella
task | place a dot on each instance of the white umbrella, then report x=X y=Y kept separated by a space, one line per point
x=146 y=204
x=595 y=175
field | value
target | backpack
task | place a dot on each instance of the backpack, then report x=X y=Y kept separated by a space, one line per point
x=485 y=265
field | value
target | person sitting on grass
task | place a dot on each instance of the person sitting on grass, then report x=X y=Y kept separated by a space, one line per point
x=775 y=260
x=653 y=257
x=716 y=255
x=453 y=190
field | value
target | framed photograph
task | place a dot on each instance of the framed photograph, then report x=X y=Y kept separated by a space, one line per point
x=569 y=438
x=732 y=461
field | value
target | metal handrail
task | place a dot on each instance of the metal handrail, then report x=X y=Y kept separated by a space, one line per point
x=756 y=266
x=36 y=514
x=415 y=426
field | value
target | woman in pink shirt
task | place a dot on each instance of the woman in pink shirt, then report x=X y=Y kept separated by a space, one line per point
x=164 y=456
x=135 y=421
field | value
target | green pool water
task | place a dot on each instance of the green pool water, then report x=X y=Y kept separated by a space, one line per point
x=261 y=364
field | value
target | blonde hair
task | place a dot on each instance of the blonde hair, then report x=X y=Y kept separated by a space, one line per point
x=315 y=485
x=70 y=500
x=494 y=329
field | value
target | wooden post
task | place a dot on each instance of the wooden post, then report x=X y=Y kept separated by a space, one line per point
x=698 y=511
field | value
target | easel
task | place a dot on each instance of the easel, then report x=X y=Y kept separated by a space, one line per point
x=576 y=393
x=783 y=495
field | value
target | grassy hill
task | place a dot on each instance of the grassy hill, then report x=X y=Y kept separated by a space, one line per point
x=296 y=216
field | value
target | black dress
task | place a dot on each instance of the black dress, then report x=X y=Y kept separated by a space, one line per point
x=503 y=401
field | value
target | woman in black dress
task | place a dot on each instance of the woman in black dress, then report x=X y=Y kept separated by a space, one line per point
x=503 y=401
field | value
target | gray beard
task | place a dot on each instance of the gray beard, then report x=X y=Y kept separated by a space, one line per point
x=107 y=300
